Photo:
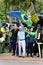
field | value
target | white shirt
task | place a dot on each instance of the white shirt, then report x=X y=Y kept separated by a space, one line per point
x=21 y=35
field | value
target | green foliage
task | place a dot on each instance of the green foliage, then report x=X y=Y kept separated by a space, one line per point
x=2 y=16
x=9 y=5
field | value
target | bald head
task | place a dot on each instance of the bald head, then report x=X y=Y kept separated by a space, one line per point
x=20 y=28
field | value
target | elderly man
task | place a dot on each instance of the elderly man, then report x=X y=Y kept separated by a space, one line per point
x=21 y=41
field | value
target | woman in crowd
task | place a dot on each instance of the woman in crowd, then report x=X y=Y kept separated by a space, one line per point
x=30 y=43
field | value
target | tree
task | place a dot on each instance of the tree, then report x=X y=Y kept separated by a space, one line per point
x=11 y=5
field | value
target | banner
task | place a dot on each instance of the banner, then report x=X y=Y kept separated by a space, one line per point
x=35 y=18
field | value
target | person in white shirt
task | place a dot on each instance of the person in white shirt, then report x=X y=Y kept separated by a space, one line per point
x=21 y=41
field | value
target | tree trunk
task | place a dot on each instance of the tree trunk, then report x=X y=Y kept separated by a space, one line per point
x=11 y=9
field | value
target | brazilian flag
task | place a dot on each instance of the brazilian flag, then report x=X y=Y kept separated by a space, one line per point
x=22 y=16
x=25 y=18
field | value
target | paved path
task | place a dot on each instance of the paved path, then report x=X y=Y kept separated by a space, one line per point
x=6 y=62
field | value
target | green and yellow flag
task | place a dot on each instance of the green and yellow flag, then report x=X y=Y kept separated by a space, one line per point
x=33 y=14
x=25 y=18
x=35 y=18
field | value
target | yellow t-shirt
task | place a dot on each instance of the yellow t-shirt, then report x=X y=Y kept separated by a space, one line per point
x=3 y=31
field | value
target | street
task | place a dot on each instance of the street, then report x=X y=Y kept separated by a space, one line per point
x=8 y=59
x=10 y=62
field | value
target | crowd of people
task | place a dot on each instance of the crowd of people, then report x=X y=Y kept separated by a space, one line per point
x=23 y=44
